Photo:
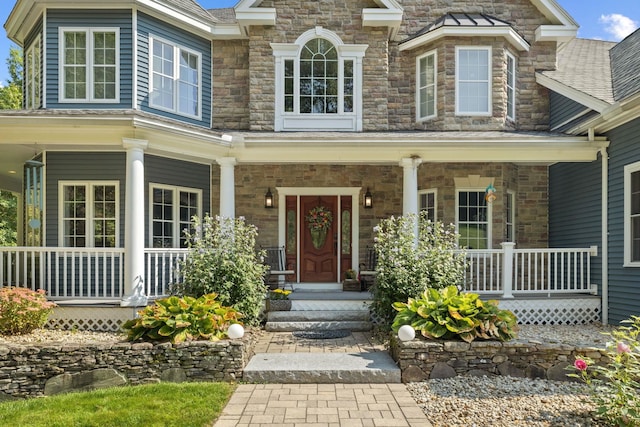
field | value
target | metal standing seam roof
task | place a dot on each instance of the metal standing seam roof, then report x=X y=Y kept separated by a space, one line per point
x=474 y=20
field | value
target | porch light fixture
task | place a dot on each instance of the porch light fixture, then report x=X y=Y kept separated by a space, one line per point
x=268 y=199
x=368 y=199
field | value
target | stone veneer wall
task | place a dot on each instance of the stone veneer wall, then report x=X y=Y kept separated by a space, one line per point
x=46 y=369
x=422 y=359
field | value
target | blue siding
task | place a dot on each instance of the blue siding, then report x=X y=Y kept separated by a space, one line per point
x=575 y=209
x=562 y=109
x=121 y=19
x=94 y=166
x=624 y=282
x=149 y=26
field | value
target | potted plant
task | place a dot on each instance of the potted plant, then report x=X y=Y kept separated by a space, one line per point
x=278 y=300
x=351 y=282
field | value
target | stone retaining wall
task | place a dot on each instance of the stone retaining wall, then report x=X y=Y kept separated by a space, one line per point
x=37 y=370
x=422 y=359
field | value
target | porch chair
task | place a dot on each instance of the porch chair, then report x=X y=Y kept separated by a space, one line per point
x=368 y=269
x=275 y=258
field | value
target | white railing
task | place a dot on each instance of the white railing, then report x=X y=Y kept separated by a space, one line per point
x=548 y=271
x=64 y=273
x=162 y=269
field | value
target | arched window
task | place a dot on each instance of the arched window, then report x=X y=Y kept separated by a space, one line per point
x=318 y=83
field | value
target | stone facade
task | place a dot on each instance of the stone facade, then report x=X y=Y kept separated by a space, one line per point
x=38 y=370
x=422 y=359
x=244 y=71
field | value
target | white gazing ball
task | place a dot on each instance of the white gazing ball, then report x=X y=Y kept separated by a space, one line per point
x=406 y=333
x=235 y=331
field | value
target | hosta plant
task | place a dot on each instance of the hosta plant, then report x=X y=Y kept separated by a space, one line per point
x=182 y=319
x=23 y=310
x=448 y=314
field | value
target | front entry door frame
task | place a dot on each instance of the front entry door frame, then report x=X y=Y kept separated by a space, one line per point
x=354 y=192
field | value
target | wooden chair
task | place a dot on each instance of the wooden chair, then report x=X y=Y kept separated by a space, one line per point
x=368 y=268
x=275 y=258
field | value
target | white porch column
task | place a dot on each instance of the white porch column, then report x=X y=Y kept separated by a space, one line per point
x=227 y=187
x=507 y=269
x=134 y=286
x=410 y=185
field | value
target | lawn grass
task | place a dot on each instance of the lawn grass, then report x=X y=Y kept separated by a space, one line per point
x=164 y=404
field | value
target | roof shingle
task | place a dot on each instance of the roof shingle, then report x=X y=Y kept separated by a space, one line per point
x=625 y=66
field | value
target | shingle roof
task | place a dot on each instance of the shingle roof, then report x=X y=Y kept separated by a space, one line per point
x=224 y=15
x=190 y=6
x=584 y=65
x=463 y=20
x=625 y=66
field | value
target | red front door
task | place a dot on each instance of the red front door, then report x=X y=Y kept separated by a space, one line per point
x=319 y=255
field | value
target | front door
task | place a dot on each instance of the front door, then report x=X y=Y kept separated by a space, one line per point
x=318 y=238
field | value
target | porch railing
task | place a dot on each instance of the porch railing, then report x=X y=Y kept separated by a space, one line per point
x=510 y=271
x=98 y=273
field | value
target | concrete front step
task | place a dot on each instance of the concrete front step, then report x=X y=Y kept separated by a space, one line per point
x=318 y=315
x=289 y=326
x=322 y=368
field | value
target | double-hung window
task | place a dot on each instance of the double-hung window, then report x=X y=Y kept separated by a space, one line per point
x=473 y=218
x=428 y=203
x=511 y=86
x=632 y=215
x=172 y=209
x=426 y=67
x=88 y=214
x=473 y=81
x=89 y=66
x=33 y=75
x=176 y=78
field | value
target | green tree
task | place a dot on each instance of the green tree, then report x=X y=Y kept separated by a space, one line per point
x=11 y=94
x=8 y=218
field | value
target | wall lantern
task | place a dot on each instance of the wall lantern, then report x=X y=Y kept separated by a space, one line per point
x=268 y=199
x=368 y=199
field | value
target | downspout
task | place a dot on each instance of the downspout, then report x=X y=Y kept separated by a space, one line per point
x=605 y=234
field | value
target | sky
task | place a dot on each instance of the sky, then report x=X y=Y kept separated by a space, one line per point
x=605 y=20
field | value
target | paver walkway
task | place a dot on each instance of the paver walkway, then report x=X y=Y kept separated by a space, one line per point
x=320 y=404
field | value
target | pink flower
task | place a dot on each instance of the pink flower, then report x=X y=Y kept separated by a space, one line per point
x=580 y=365
x=623 y=348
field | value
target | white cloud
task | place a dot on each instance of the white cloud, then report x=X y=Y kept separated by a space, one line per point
x=619 y=26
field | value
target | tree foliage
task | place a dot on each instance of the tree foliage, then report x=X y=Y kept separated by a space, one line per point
x=11 y=94
x=8 y=218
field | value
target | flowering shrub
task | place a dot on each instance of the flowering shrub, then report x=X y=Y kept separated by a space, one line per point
x=406 y=267
x=222 y=259
x=614 y=386
x=23 y=310
x=319 y=218
x=279 y=294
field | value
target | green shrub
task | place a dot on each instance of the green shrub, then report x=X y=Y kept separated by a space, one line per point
x=23 y=310
x=223 y=259
x=448 y=314
x=406 y=267
x=182 y=319
x=614 y=387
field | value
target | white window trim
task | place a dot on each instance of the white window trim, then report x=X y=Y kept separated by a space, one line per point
x=628 y=170
x=89 y=65
x=176 y=79
x=89 y=210
x=511 y=115
x=177 y=231
x=489 y=213
x=295 y=121
x=33 y=74
x=419 y=118
x=433 y=191
x=512 y=220
x=487 y=113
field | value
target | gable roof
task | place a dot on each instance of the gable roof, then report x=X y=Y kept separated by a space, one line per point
x=625 y=66
x=189 y=6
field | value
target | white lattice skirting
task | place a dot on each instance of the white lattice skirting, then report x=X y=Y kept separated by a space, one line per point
x=102 y=319
x=574 y=310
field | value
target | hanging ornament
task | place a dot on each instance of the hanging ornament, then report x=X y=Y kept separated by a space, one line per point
x=490 y=193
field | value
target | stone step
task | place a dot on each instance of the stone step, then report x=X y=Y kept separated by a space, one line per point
x=318 y=315
x=289 y=326
x=328 y=305
x=322 y=368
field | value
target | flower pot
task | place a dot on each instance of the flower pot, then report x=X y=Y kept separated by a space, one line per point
x=351 y=285
x=278 y=305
